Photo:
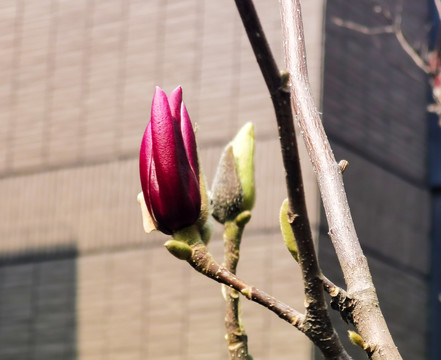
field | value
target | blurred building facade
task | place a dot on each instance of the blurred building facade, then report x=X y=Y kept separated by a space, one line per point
x=79 y=279
x=374 y=107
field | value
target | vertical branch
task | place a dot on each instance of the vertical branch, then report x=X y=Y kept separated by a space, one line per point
x=321 y=331
x=236 y=337
x=366 y=313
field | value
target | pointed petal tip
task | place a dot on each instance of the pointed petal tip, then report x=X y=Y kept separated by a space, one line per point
x=160 y=111
x=159 y=94
x=248 y=127
x=177 y=92
x=175 y=100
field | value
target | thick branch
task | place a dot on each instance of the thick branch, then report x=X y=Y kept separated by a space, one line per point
x=322 y=333
x=366 y=313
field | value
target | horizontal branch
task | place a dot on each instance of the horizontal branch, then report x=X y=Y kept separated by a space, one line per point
x=203 y=262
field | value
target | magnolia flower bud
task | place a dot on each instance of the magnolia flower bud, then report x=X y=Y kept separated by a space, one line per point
x=227 y=194
x=168 y=164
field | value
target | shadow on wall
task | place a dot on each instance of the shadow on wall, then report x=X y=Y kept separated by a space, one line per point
x=38 y=304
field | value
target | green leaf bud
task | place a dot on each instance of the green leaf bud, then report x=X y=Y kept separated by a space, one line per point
x=243 y=218
x=243 y=151
x=356 y=339
x=287 y=233
x=179 y=249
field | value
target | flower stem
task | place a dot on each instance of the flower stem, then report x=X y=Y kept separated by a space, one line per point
x=236 y=336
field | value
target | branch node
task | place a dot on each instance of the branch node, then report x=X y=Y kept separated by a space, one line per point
x=343 y=304
x=247 y=292
x=296 y=321
x=343 y=164
x=333 y=292
x=291 y=216
x=285 y=85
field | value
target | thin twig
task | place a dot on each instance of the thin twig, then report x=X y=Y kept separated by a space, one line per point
x=321 y=330
x=362 y=29
x=410 y=51
x=394 y=29
x=438 y=7
x=366 y=313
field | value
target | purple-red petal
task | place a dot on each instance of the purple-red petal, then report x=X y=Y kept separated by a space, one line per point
x=145 y=158
x=175 y=100
x=189 y=140
x=168 y=164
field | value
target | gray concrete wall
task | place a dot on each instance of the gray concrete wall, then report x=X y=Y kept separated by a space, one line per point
x=38 y=306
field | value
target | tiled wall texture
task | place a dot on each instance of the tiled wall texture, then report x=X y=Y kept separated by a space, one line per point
x=77 y=81
x=375 y=115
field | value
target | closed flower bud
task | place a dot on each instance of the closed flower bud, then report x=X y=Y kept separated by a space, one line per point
x=233 y=189
x=168 y=164
x=226 y=195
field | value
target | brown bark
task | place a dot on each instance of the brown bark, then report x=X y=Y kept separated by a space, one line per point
x=366 y=312
x=317 y=322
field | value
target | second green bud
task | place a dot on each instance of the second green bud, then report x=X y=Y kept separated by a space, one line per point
x=233 y=189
